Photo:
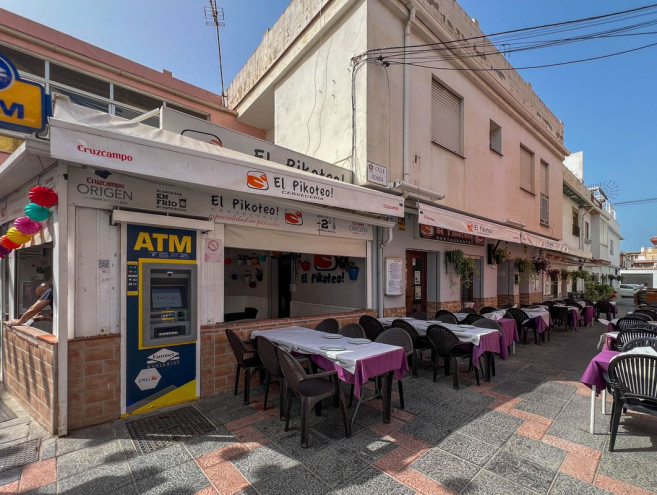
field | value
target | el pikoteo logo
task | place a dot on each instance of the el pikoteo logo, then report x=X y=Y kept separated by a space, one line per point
x=293 y=217
x=257 y=180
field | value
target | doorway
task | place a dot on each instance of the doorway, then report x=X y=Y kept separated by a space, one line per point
x=285 y=264
x=416 y=281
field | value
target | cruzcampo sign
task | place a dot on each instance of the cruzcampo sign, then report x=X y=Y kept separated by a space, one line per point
x=23 y=104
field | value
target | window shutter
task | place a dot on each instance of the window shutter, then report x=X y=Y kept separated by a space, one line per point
x=526 y=169
x=545 y=210
x=545 y=178
x=446 y=116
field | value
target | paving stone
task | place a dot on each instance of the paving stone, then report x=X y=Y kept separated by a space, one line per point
x=262 y=463
x=371 y=481
x=423 y=429
x=634 y=473
x=50 y=489
x=291 y=444
x=503 y=420
x=331 y=428
x=10 y=475
x=367 y=445
x=542 y=453
x=567 y=485
x=333 y=466
x=100 y=480
x=514 y=388
x=80 y=460
x=544 y=410
x=183 y=479
x=447 y=469
x=554 y=389
x=487 y=483
x=468 y=448
x=296 y=479
x=160 y=461
x=522 y=471
x=486 y=432
x=204 y=444
x=85 y=437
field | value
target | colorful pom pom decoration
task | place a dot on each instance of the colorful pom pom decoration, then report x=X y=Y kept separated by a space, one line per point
x=43 y=196
x=36 y=212
x=4 y=251
x=18 y=237
x=7 y=243
x=27 y=226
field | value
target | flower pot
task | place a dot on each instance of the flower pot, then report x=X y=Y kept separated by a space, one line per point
x=262 y=258
x=252 y=285
x=305 y=265
x=353 y=273
x=259 y=277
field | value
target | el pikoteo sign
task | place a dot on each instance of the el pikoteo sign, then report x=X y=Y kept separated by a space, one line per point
x=24 y=106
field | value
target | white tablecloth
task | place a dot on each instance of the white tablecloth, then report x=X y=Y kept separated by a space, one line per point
x=603 y=338
x=534 y=313
x=465 y=334
x=495 y=315
x=307 y=341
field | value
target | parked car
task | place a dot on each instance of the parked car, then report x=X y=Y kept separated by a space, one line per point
x=628 y=290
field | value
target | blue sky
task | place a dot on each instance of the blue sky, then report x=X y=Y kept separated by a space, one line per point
x=609 y=107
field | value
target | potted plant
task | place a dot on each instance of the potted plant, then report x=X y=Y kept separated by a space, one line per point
x=540 y=264
x=565 y=274
x=351 y=268
x=522 y=264
x=304 y=264
x=554 y=273
x=463 y=266
x=259 y=274
x=502 y=255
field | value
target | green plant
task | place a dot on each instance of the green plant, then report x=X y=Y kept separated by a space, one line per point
x=540 y=264
x=346 y=263
x=463 y=266
x=502 y=255
x=595 y=291
x=523 y=265
x=554 y=273
x=565 y=274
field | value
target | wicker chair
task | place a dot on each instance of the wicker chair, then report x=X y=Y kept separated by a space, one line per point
x=311 y=389
x=646 y=311
x=628 y=334
x=247 y=359
x=630 y=322
x=400 y=338
x=472 y=317
x=420 y=343
x=604 y=307
x=419 y=315
x=329 y=325
x=524 y=323
x=447 y=318
x=467 y=310
x=492 y=324
x=640 y=342
x=372 y=326
x=633 y=389
x=446 y=345
x=353 y=331
x=487 y=309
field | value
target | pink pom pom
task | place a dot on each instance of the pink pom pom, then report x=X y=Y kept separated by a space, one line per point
x=27 y=226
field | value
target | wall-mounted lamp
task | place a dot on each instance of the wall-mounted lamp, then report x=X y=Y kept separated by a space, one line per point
x=421 y=191
x=516 y=223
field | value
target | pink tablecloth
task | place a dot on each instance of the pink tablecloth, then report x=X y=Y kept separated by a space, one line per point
x=594 y=373
x=509 y=331
x=589 y=314
x=540 y=324
x=368 y=367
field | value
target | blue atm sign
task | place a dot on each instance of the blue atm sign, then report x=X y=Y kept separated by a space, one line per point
x=24 y=106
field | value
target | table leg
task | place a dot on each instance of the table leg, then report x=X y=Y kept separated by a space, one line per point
x=604 y=400
x=593 y=393
x=513 y=347
x=487 y=366
x=386 y=393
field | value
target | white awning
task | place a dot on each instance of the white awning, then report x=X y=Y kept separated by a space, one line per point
x=89 y=137
x=447 y=219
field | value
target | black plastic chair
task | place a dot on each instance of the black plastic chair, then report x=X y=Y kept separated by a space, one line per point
x=588 y=302
x=604 y=307
x=267 y=352
x=506 y=306
x=560 y=316
x=547 y=303
x=628 y=334
x=467 y=310
x=487 y=309
x=400 y=338
x=471 y=318
x=641 y=316
x=634 y=384
x=629 y=322
x=329 y=325
x=371 y=325
x=646 y=311
x=247 y=359
x=420 y=343
x=419 y=315
x=446 y=345
x=640 y=342
x=447 y=318
x=353 y=331
x=524 y=323
x=311 y=389
x=441 y=312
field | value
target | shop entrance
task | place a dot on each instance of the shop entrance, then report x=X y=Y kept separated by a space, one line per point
x=416 y=281
x=284 y=281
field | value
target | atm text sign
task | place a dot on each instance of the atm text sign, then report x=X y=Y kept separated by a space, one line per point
x=22 y=103
x=160 y=242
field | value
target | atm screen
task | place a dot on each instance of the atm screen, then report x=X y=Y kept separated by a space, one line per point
x=167 y=297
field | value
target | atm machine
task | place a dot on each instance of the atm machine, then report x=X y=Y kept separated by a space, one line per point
x=161 y=318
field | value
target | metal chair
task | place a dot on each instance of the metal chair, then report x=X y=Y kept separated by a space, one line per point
x=420 y=343
x=371 y=325
x=634 y=384
x=419 y=315
x=329 y=325
x=353 y=331
x=446 y=345
x=250 y=364
x=311 y=389
x=398 y=337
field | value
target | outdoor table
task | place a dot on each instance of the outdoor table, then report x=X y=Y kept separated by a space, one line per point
x=509 y=333
x=541 y=318
x=594 y=378
x=607 y=340
x=589 y=314
x=574 y=312
x=356 y=365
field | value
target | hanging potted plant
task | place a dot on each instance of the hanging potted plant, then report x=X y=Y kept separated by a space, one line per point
x=502 y=255
x=304 y=264
x=259 y=274
x=462 y=265
x=565 y=274
x=352 y=269
x=554 y=274
x=522 y=264
x=540 y=264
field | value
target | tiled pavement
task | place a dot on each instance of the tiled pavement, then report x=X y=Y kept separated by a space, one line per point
x=524 y=432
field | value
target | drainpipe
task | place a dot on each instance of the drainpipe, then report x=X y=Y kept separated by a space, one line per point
x=380 y=268
x=407 y=91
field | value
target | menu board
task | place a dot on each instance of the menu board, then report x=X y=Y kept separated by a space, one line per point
x=395 y=279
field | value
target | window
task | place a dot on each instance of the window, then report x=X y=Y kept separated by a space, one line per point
x=24 y=62
x=446 y=118
x=526 y=169
x=78 y=80
x=198 y=115
x=134 y=99
x=545 y=193
x=604 y=233
x=587 y=231
x=495 y=137
x=576 y=222
x=611 y=247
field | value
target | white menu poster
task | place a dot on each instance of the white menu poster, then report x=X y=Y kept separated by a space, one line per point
x=394 y=277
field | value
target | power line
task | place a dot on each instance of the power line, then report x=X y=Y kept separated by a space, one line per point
x=636 y=202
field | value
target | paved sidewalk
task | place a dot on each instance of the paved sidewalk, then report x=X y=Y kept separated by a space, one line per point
x=524 y=432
